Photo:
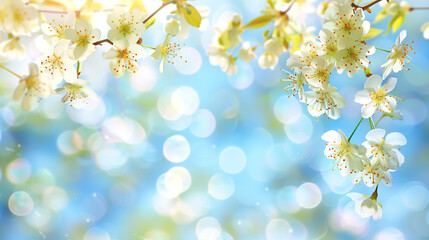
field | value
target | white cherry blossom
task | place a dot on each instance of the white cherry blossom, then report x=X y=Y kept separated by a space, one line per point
x=167 y=52
x=382 y=151
x=303 y=57
x=21 y=19
x=318 y=73
x=56 y=64
x=371 y=176
x=296 y=83
x=352 y=57
x=346 y=154
x=346 y=22
x=126 y=25
x=55 y=28
x=329 y=44
x=32 y=87
x=124 y=56
x=12 y=49
x=374 y=96
x=83 y=37
x=246 y=52
x=273 y=48
x=77 y=93
x=327 y=101
x=218 y=56
x=366 y=206
x=396 y=58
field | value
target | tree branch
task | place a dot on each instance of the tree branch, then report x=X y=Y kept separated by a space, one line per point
x=102 y=41
x=366 y=7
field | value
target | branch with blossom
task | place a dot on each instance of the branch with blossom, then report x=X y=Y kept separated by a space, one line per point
x=69 y=38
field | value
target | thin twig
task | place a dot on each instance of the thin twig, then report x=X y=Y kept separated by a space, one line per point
x=156 y=11
x=366 y=7
x=102 y=41
x=11 y=72
x=418 y=8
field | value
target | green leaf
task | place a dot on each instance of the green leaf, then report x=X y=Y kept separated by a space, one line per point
x=192 y=16
x=149 y=23
x=265 y=35
x=398 y=22
x=373 y=32
x=381 y=15
x=296 y=42
x=259 y=22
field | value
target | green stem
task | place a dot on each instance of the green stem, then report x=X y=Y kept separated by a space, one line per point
x=381 y=49
x=350 y=138
x=79 y=67
x=379 y=120
x=371 y=123
x=10 y=71
x=147 y=46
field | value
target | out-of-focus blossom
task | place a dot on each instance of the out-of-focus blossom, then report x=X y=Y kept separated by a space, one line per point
x=12 y=49
x=246 y=52
x=21 y=19
x=273 y=48
x=32 y=87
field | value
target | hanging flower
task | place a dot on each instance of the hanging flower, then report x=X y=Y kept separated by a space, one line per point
x=366 y=206
x=124 y=56
x=246 y=52
x=345 y=153
x=126 y=25
x=32 y=87
x=83 y=36
x=374 y=96
x=218 y=56
x=77 y=93
x=269 y=59
x=396 y=57
x=383 y=151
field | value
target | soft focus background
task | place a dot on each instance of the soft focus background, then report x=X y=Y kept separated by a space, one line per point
x=194 y=153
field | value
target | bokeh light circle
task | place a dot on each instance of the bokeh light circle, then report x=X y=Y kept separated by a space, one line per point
x=186 y=100
x=278 y=229
x=286 y=199
x=300 y=131
x=203 y=123
x=96 y=233
x=176 y=149
x=177 y=180
x=308 y=195
x=190 y=62
x=18 y=171
x=221 y=186
x=232 y=160
x=55 y=198
x=287 y=110
x=208 y=228
x=20 y=203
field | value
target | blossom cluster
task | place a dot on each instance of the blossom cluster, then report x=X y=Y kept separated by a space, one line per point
x=342 y=45
x=287 y=33
x=68 y=38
